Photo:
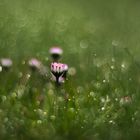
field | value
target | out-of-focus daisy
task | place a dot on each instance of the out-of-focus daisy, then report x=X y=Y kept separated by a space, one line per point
x=56 y=53
x=6 y=63
x=124 y=66
x=126 y=100
x=34 y=63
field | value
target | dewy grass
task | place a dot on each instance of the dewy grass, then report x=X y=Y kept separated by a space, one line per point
x=99 y=99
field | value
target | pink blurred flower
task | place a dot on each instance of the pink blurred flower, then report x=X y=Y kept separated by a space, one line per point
x=56 y=52
x=6 y=62
x=34 y=63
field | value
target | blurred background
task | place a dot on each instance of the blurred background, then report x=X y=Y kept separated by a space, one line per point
x=81 y=28
x=97 y=37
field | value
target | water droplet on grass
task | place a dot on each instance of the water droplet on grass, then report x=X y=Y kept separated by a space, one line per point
x=112 y=67
x=130 y=79
x=45 y=113
x=92 y=94
x=123 y=65
x=72 y=71
x=71 y=110
x=111 y=122
x=39 y=122
x=113 y=59
x=103 y=100
x=28 y=76
x=52 y=117
x=83 y=44
x=103 y=108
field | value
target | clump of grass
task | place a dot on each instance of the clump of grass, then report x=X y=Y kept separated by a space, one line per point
x=100 y=99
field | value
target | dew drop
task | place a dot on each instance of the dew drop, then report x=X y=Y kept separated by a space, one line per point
x=83 y=44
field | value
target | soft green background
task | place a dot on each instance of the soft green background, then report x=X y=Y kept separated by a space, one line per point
x=100 y=39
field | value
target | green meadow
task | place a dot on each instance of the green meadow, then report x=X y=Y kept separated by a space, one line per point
x=100 y=100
